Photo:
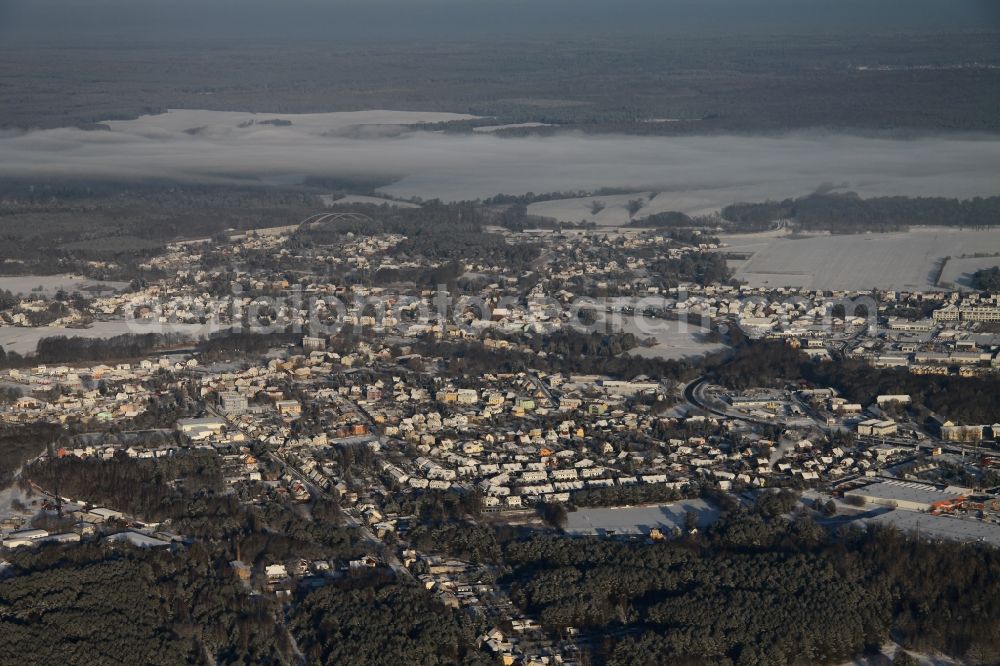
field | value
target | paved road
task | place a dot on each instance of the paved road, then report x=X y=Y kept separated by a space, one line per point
x=694 y=394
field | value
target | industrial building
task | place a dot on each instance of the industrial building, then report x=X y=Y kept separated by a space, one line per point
x=909 y=496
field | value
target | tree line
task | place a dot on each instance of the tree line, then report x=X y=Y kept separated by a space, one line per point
x=849 y=213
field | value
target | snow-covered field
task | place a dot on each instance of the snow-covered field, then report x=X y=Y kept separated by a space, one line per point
x=638 y=519
x=958 y=272
x=25 y=340
x=613 y=208
x=675 y=340
x=905 y=260
x=25 y=285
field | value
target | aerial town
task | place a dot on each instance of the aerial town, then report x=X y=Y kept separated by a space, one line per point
x=592 y=393
x=499 y=333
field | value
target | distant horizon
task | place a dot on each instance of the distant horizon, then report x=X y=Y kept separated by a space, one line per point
x=61 y=23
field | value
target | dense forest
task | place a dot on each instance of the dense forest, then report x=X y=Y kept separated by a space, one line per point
x=462 y=358
x=670 y=219
x=84 y=606
x=759 y=588
x=625 y=495
x=143 y=487
x=77 y=349
x=464 y=540
x=61 y=225
x=434 y=232
x=850 y=214
x=703 y=268
x=394 y=622
x=21 y=443
x=986 y=279
x=692 y=600
x=87 y=606
x=185 y=489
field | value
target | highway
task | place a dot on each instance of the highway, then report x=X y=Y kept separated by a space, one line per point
x=693 y=394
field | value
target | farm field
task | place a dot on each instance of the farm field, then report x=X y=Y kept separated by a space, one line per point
x=24 y=285
x=958 y=272
x=24 y=340
x=902 y=261
x=613 y=210
x=674 y=340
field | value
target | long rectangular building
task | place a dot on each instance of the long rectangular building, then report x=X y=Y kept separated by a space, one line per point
x=907 y=495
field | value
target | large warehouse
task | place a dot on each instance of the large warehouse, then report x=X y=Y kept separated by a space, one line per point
x=907 y=495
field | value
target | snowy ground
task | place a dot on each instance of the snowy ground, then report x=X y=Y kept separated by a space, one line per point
x=903 y=261
x=49 y=284
x=25 y=340
x=675 y=340
x=958 y=272
x=615 y=212
x=677 y=344
x=638 y=519
x=941 y=527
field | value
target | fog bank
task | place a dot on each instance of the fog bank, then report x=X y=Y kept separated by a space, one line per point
x=697 y=172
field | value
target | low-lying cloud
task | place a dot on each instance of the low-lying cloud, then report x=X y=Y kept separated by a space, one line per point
x=700 y=172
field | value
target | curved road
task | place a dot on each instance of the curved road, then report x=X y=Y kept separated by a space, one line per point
x=692 y=393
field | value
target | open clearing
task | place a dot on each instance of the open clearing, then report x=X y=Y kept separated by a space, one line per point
x=638 y=519
x=24 y=340
x=674 y=339
x=903 y=261
x=25 y=285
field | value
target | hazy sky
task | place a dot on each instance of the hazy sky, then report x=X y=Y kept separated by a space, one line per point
x=693 y=172
x=84 y=21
